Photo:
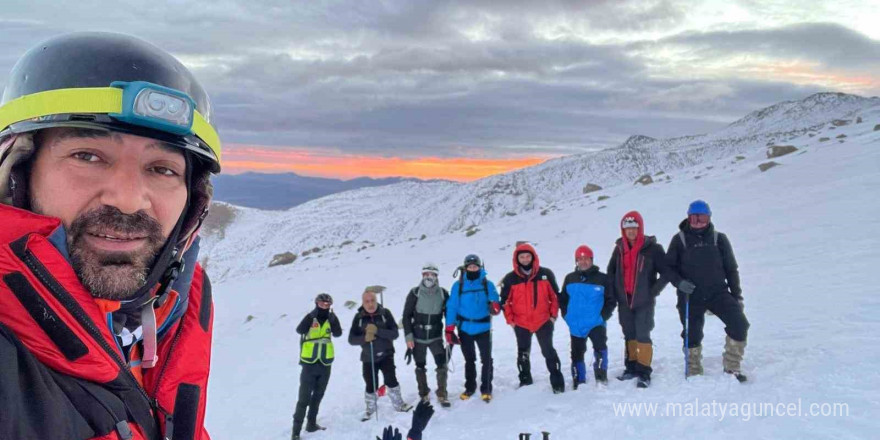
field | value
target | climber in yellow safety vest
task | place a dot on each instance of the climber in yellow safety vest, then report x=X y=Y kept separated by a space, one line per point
x=316 y=355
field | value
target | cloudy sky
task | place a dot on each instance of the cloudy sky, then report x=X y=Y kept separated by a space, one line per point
x=461 y=89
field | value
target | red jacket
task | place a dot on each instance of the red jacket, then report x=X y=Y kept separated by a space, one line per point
x=62 y=373
x=529 y=300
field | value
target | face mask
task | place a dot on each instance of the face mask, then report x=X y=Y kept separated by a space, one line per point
x=323 y=313
x=429 y=282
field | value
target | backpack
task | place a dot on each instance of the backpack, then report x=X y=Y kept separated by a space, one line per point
x=461 y=292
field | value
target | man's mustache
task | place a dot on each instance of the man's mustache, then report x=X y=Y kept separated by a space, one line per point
x=110 y=221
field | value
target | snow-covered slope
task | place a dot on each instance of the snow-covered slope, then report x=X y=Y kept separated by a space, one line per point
x=406 y=211
x=804 y=233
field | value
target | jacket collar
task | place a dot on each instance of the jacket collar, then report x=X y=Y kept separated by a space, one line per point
x=18 y=223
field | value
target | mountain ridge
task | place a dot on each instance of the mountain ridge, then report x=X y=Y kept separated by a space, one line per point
x=409 y=210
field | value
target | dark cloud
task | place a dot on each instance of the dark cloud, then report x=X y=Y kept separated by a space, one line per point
x=447 y=78
x=830 y=44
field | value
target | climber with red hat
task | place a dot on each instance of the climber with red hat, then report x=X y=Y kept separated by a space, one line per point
x=587 y=301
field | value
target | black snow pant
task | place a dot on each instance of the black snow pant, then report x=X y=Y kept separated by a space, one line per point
x=725 y=307
x=389 y=373
x=312 y=382
x=545 y=341
x=636 y=324
x=438 y=351
x=598 y=337
x=483 y=342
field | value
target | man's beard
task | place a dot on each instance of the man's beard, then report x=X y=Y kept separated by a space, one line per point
x=113 y=275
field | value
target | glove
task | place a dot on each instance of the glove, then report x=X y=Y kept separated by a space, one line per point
x=370 y=330
x=390 y=433
x=408 y=356
x=421 y=416
x=451 y=339
x=494 y=308
x=687 y=286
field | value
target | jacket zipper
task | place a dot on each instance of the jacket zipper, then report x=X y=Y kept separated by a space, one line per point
x=79 y=314
x=535 y=284
x=640 y=264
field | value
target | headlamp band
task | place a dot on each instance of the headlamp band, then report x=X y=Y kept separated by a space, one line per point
x=102 y=100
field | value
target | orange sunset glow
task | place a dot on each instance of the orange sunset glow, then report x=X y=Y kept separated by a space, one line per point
x=240 y=158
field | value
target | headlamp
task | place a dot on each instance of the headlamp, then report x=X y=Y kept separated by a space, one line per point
x=153 y=106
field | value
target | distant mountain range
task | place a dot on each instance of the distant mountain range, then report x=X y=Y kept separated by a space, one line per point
x=284 y=191
x=417 y=210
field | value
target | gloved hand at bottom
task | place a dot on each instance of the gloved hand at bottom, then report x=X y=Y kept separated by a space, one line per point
x=421 y=416
x=390 y=433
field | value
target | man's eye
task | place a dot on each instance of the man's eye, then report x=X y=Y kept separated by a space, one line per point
x=165 y=171
x=86 y=157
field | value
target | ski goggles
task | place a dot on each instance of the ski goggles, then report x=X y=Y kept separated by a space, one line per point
x=139 y=104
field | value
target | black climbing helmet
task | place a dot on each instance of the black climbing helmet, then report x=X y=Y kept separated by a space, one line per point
x=472 y=259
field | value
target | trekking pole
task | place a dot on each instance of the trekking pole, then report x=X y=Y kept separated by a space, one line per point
x=687 y=320
x=373 y=378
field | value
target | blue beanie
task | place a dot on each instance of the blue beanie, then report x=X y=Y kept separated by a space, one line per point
x=699 y=207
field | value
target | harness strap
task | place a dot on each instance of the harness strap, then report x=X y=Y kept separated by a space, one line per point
x=148 y=321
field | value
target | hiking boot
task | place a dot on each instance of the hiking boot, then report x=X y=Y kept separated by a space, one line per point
x=695 y=361
x=313 y=426
x=371 y=400
x=733 y=354
x=397 y=400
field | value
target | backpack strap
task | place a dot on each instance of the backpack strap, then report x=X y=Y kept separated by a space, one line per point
x=684 y=242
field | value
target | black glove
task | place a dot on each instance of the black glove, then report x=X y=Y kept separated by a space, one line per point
x=422 y=414
x=686 y=286
x=408 y=356
x=390 y=433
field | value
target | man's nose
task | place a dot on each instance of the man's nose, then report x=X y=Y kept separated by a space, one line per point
x=126 y=190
